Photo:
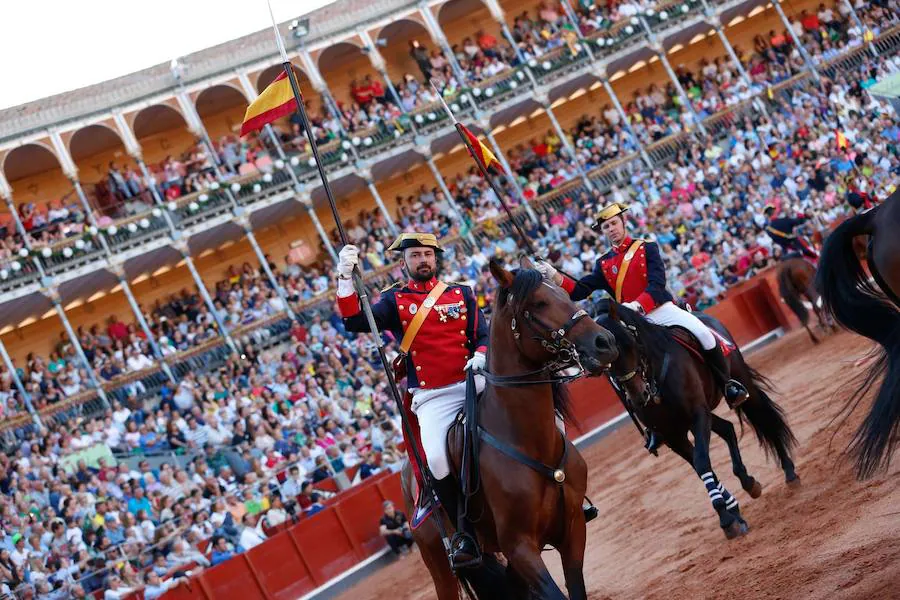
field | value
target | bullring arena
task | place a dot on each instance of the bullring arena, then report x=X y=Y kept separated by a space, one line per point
x=185 y=413
x=656 y=538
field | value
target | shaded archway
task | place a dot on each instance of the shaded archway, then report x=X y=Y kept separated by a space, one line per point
x=161 y=131
x=35 y=175
x=221 y=108
x=462 y=19
x=92 y=148
x=96 y=150
x=342 y=64
x=395 y=45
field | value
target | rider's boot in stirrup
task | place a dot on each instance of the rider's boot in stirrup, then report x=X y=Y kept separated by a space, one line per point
x=464 y=550
x=735 y=392
x=590 y=511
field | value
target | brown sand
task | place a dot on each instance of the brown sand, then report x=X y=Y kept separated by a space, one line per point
x=658 y=538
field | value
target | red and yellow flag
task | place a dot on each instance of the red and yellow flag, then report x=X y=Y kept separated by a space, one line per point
x=276 y=101
x=841 y=140
x=479 y=150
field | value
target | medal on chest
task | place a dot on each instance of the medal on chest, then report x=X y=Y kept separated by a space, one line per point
x=413 y=309
x=450 y=311
x=615 y=269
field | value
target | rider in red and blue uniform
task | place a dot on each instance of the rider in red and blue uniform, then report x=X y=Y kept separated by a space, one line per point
x=781 y=230
x=633 y=273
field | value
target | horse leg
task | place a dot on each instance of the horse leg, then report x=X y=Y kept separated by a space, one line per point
x=524 y=559
x=571 y=551
x=725 y=430
x=723 y=502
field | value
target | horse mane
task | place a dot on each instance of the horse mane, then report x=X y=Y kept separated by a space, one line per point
x=525 y=282
x=655 y=340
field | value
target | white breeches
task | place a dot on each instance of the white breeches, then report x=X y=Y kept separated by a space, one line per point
x=668 y=314
x=436 y=410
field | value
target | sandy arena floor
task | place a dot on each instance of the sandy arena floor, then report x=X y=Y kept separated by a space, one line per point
x=658 y=538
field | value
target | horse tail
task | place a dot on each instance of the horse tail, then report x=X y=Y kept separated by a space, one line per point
x=862 y=307
x=490 y=581
x=766 y=417
x=847 y=294
x=790 y=294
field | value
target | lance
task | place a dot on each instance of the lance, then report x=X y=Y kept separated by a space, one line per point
x=357 y=277
x=523 y=237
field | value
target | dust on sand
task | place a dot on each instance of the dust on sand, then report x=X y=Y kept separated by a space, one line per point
x=658 y=538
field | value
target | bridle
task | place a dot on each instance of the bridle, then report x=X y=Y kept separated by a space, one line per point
x=651 y=387
x=553 y=340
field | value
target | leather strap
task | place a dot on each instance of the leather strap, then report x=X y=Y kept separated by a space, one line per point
x=623 y=268
x=416 y=324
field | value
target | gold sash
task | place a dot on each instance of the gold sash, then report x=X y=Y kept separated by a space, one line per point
x=623 y=268
x=416 y=324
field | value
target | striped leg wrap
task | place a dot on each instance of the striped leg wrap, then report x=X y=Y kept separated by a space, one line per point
x=730 y=501
x=713 y=487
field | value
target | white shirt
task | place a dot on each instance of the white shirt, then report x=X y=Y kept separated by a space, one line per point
x=251 y=538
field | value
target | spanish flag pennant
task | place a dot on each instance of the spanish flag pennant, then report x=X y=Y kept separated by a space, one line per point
x=841 y=140
x=478 y=150
x=770 y=93
x=276 y=101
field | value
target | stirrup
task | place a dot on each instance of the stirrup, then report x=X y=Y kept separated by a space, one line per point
x=590 y=513
x=652 y=443
x=464 y=552
x=735 y=393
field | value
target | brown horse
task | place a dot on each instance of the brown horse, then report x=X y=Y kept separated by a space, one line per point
x=532 y=479
x=872 y=310
x=796 y=283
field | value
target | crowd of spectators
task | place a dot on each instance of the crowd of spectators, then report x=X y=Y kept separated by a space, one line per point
x=248 y=443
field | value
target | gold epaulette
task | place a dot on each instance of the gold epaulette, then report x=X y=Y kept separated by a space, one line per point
x=392 y=286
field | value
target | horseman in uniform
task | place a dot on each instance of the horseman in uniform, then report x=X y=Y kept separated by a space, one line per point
x=781 y=230
x=444 y=334
x=632 y=272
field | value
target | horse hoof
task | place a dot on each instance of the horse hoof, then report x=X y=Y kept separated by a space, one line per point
x=755 y=490
x=794 y=481
x=736 y=530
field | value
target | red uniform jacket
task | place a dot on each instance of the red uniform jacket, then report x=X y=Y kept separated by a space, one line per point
x=645 y=280
x=452 y=331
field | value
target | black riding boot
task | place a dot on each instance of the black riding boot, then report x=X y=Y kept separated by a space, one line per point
x=653 y=442
x=735 y=392
x=464 y=550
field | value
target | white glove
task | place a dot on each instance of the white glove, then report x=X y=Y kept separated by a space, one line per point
x=635 y=306
x=477 y=362
x=348 y=258
x=548 y=272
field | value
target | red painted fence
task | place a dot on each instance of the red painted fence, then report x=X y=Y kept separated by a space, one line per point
x=319 y=548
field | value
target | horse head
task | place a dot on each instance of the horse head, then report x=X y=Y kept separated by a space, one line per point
x=546 y=326
x=632 y=368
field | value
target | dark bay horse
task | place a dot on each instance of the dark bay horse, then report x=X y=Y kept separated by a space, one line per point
x=796 y=283
x=672 y=391
x=517 y=508
x=871 y=310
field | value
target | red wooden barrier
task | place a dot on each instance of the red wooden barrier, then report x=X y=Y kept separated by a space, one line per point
x=318 y=548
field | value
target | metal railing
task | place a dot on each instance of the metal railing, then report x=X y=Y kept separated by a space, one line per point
x=501 y=87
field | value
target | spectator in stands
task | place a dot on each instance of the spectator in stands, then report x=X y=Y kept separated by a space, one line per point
x=221 y=551
x=156 y=587
x=394 y=528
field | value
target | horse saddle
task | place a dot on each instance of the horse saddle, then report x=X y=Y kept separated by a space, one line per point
x=687 y=339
